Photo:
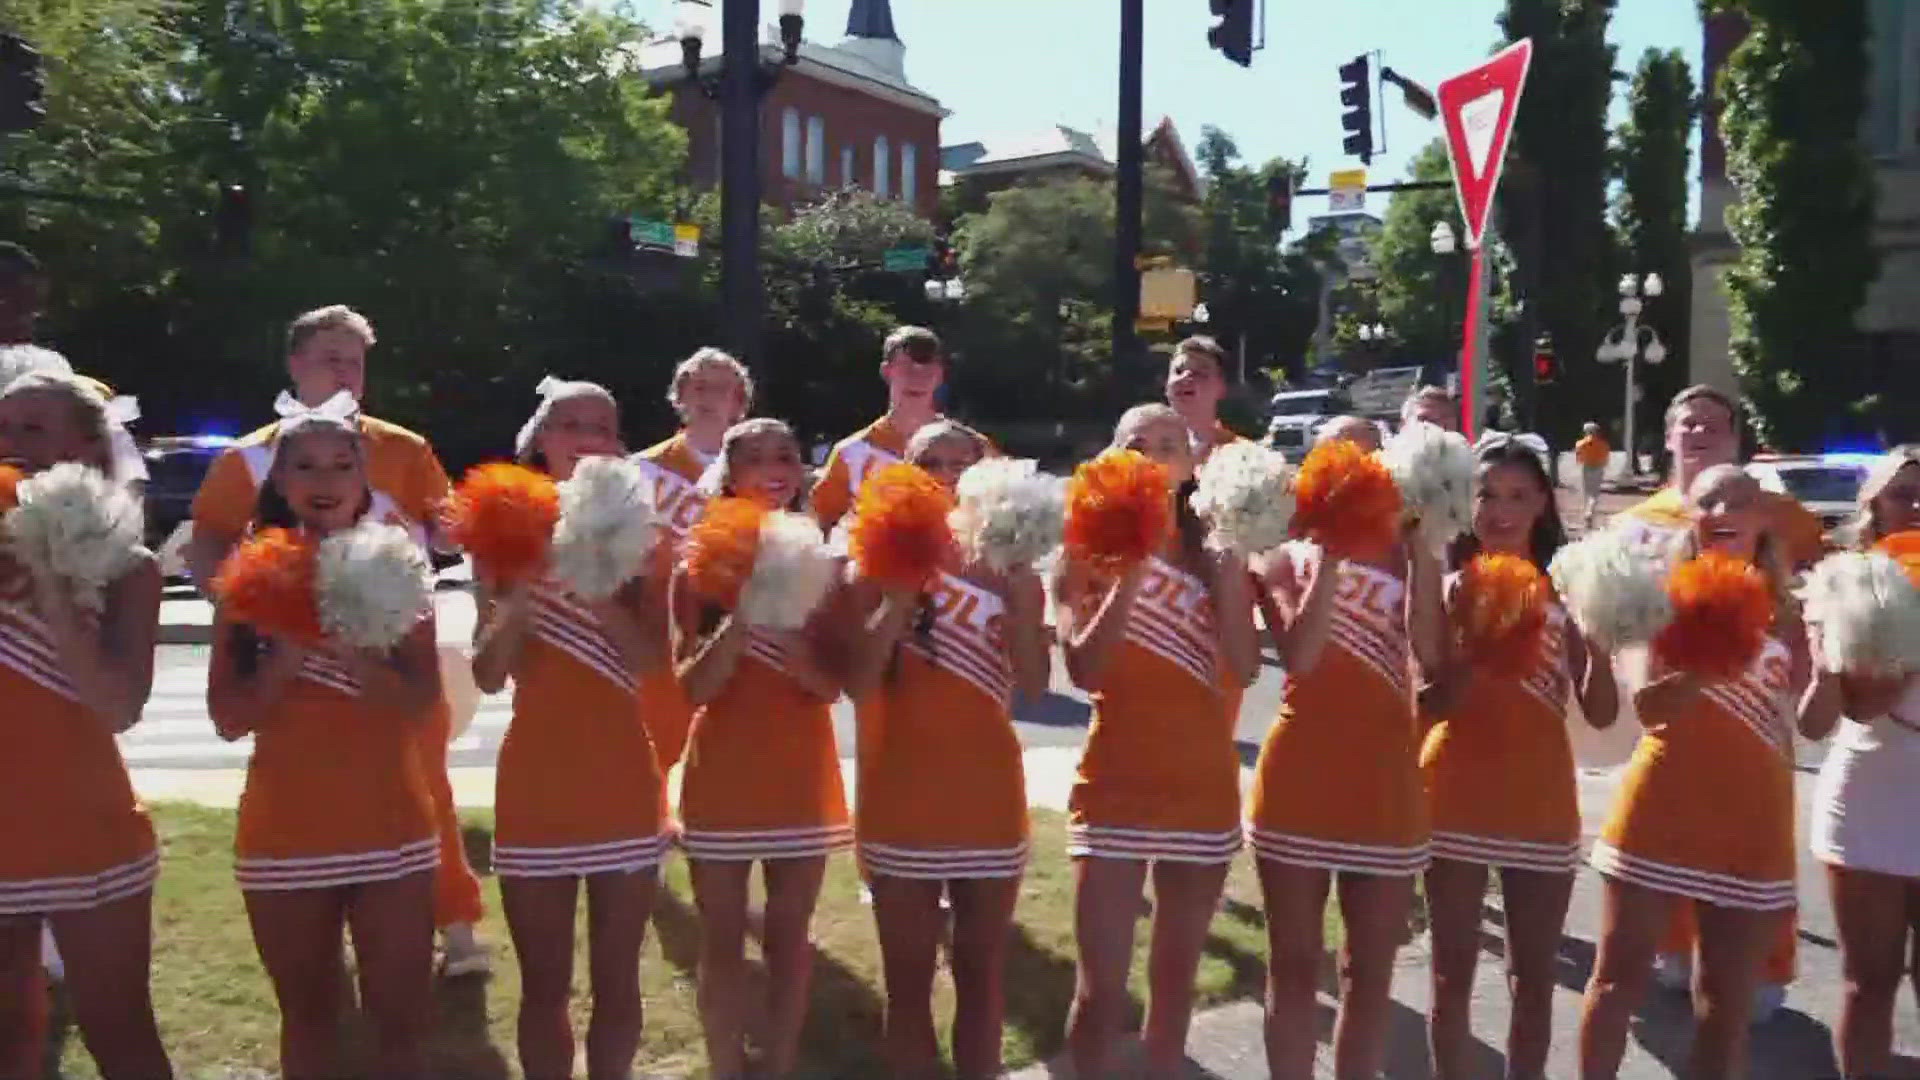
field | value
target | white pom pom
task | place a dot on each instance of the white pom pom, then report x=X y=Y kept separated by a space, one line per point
x=1244 y=493
x=607 y=527
x=791 y=574
x=373 y=585
x=1434 y=469
x=75 y=524
x=1867 y=611
x=1616 y=592
x=1009 y=513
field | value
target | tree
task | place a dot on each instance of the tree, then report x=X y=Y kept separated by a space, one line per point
x=1795 y=92
x=1554 y=195
x=1650 y=213
x=1422 y=296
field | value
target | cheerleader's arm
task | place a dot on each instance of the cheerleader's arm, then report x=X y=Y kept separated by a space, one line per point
x=1027 y=646
x=1233 y=606
x=622 y=616
x=109 y=662
x=1593 y=679
x=1304 y=609
x=246 y=677
x=703 y=657
x=870 y=621
x=1820 y=705
x=499 y=632
x=1091 y=624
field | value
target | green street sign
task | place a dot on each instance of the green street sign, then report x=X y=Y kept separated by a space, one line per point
x=904 y=260
x=651 y=235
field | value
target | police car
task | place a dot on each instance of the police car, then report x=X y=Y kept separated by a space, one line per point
x=1826 y=484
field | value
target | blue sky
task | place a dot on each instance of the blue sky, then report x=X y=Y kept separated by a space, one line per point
x=1008 y=66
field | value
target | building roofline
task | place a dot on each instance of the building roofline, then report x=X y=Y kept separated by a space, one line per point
x=1035 y=161
x=814 y=66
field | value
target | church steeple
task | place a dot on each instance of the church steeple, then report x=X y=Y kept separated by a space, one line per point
x=871 y=19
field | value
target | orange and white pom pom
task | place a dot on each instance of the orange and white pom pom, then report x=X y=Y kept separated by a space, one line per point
x=1903 y=548
x=1500 y=613
x=719 y=550
x=1119 y=510
x=900 y=536
x=503 y=516
x=267 y=582
x=771 y=567
x=10 y=478
x=1722 y=610
x=1345 y=499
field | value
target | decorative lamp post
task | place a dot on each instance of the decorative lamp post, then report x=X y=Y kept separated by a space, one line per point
x=743 y=80
x=1441 y=239
x=1626 y=344
x=952 y=290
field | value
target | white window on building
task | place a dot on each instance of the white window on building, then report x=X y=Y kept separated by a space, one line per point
x=882 y=178
x=790 y=144
x=847 y=178
x=816 y=150
x=909 y=171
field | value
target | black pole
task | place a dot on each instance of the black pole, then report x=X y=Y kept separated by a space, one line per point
x=1126 y=248
x=740 y=285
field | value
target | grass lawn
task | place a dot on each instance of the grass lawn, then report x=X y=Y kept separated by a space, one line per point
x=218 y=1018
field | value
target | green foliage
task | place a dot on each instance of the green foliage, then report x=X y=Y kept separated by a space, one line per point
x=1422 y=296
x=1252 y=286
x=1650 y=213
x=1796 y=93
x=1554 y=196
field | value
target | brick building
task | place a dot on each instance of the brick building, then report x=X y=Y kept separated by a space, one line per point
x=845 y=115
x=1061 y=152
x=1891 y=133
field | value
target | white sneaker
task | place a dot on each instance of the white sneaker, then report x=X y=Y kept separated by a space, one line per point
x=1674 y=971
x=1766 y=1001
x=463 y=953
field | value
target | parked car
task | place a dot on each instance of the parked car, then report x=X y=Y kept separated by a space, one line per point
x=1827 y=484
x=175 y=467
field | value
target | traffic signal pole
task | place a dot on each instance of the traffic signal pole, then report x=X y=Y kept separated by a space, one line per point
x=1127 y=188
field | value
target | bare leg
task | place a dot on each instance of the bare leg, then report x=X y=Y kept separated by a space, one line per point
x=1374 y=908
x=1733 y=944
x=720 y=893
x=1185 y=898
x=1106 y=899
x=1630 y=927
x=1536 y=910
x=907 y=913
x=109 y=952
x=1455 y=889
x=23 y=999
x=298 y=935
x=540 y=916
x=618 y=907
x=982 y=924
x=392 y=924
x=1296 y=900
x=793 y=888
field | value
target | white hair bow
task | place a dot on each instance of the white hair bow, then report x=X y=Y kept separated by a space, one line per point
x=1494 y=440
x=341 y=408
x=551 y=388
x=128 y=465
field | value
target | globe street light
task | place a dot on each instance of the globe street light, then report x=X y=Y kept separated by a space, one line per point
x=1442 y=239
x=1627 y=343
x=952 y=290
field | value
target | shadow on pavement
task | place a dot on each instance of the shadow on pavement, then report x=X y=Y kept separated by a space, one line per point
x=1039 y=992
x=1053 y=710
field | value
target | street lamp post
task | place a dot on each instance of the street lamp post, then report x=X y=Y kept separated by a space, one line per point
x=743 y=81
x=1626 y=344
x=1444 y=243
x=1128 y=183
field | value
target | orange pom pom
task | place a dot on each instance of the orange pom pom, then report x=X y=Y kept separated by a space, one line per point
x=719 y=551
x=1346 y=500
x=503 y=515
x=1500 y=613
x=1722 y=609
x=1904 y=547
x=10 y=478
x=1119 y=510
x=899 y=536
x=268 y=581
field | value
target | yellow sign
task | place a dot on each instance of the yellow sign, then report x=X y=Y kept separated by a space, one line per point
x=686 y=241
x=1147 y=324
x=1347 y=190
x=1168 y=293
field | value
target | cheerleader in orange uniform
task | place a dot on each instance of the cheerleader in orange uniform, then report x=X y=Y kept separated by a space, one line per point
x=578 y=792
x=762 y=781
x=336 y=825
x=1705 y=813
x=711 y=391
x=942 y=798
x=1159 y=780
x=1338 y=792
x=1500 y=783
x=78 y=851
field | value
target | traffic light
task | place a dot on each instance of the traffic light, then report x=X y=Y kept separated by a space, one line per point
x=1545 y=367
x=233 y=220
x=23 y=89
x=1233 y=36
x=1356 y=96
x=1280 y=201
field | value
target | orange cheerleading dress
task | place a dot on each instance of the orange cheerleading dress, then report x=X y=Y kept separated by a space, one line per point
x=1338 y=782
x=1705 y=810
x=673 y=468
x=1159 y=777
x=578 y=791
x=762 y=777
x=335 y=794
x=76 y=837
x=942 y=793
x=1499 y=767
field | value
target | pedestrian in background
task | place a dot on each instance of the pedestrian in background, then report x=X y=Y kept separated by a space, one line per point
x=1591 y=454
